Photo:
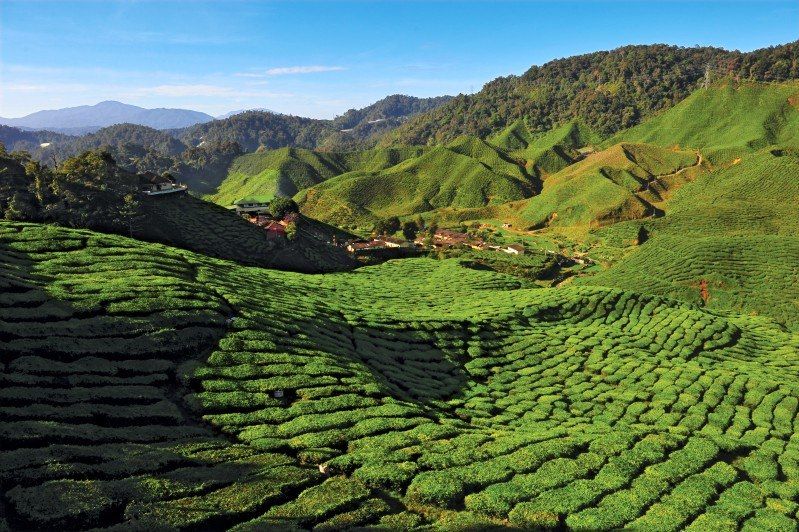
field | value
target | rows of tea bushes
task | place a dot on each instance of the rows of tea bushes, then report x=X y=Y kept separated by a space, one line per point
x=756 y=275
x=151 y=388
x=94 y=430
x=733 y=230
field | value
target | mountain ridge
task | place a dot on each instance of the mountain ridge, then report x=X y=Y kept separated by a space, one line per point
x=610 y=90
x=107 y=113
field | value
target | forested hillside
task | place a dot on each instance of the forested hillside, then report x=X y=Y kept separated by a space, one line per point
x=609 y=90
x=92 y=191
x=255 y=129
x=15 y=139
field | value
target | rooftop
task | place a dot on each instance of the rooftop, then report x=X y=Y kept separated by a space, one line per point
x=253 y=199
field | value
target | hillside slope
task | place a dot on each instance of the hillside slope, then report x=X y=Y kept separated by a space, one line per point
x=734 y=231
x=725 y=120
x=618 y=183
x=610 y=90
x=193 y=393
x=190 y=223
x=286 y=171
x=548 y=152
x=92 y=191
x=466 y=173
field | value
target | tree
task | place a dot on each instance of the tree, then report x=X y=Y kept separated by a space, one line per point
x=18 y=208
x=387 y=226
x=409 y=230
x=291 y=230
x=129 y=212
x=280 y=206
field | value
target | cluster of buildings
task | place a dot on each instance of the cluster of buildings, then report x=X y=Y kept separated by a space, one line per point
x=274 y=228
x=256 y=210
x=440 y=239
x=445 y=238
x=378 y=244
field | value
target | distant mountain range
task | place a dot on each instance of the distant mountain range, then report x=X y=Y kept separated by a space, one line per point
x=89 y=118
x=200 y=154
x=355 y=129
x=251 y=128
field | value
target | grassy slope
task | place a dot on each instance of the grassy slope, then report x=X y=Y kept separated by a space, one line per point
x=725 y=120
x=286 y=171
x=605 y=187
x=545 y=153
x=435 y=393
x=625 y=181
x=737 y=229
x=467 y=173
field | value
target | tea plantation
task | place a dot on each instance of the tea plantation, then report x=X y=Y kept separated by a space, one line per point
x=285 y=171
x=725 y=120
x=735 y=229
x=466 y=173
x=151 y=388
x=191 y=223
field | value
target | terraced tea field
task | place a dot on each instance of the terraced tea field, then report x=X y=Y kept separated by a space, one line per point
x=146 y=387
x=735 y=230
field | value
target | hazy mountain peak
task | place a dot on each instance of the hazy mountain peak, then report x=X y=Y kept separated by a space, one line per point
x=107 y=113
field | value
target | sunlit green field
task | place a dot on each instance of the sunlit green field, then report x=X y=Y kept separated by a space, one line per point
x=146 y=387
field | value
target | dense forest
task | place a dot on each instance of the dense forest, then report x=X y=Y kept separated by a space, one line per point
x=89 y=190
x=609 y=90
x=355 y=129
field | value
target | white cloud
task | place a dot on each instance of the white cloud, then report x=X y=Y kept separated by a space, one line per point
x=308 y=69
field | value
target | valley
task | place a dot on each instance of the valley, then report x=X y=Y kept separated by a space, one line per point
x=582 y=312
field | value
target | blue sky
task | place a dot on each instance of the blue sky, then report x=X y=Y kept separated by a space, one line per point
x=321 y=58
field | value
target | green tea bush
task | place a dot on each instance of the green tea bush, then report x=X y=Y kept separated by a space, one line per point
x=414 y=393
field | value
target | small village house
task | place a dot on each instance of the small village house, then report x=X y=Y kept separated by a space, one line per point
x=449 y=238
x=391 y=242
x=365 y=245
x=513 y=249
x=153 y=184
x=275 y=229
x=251 y=205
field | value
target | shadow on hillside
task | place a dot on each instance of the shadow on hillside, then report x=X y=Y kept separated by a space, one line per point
x=187 y=222
x=94 y=432
x=409 y=366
